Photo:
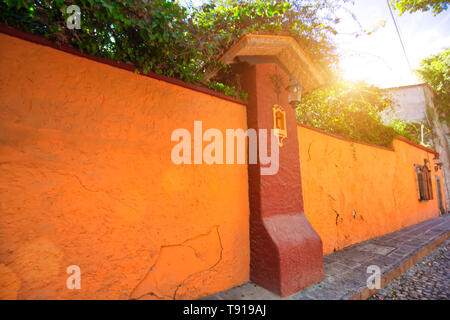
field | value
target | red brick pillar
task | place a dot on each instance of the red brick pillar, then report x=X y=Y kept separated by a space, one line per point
x=286 y=252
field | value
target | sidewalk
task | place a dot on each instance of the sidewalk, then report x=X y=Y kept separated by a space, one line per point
x=346 y=270
x=429 y=279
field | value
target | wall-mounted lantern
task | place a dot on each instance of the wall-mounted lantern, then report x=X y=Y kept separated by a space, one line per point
x=294 y=92
x=437 y=166
x=279 y=123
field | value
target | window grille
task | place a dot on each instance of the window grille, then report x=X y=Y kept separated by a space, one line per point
x=424 y=183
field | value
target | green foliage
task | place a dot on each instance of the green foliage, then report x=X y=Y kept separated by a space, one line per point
x=221 y=23
x=164 y=37
x=353 y=110
x=228 y=90
x=437 y=6
x=435 y=70
x=148 y=34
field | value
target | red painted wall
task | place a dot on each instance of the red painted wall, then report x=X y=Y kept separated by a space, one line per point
x=286 y=252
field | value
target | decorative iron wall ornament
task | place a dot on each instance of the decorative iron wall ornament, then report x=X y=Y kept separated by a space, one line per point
x=437 y=166
x=279 y=123
x=277 y=82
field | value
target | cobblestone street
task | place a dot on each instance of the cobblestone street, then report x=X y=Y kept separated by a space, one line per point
x=429 y=279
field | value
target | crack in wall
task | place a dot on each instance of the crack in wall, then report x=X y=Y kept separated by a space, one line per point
x=181 y=284
x=309 y=150
x=92 y=190
x=337 y=216
x=77 y=178
x=200 y=272
x=152 y=294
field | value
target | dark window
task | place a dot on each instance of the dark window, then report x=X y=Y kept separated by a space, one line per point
x=424 y=183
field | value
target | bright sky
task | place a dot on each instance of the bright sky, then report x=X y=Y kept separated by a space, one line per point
x=378 y=58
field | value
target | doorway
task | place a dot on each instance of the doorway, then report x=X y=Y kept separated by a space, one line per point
x=439 y=194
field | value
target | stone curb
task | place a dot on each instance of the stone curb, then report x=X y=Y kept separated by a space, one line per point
x=363 y=293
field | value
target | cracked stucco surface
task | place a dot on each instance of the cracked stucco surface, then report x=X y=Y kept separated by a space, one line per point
x=354 y=192
x=186 y=260
x=86 y=179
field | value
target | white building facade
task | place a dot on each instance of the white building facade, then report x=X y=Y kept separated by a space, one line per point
x=415 y=103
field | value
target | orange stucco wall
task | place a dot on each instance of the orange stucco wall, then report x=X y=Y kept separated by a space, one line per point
x=340 y=177
x=86 y=179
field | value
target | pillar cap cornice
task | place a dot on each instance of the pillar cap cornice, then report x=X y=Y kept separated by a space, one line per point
x=283 y=50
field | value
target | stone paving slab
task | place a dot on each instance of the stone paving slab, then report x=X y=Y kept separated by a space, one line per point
x=346 y=270
x=428 y=279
